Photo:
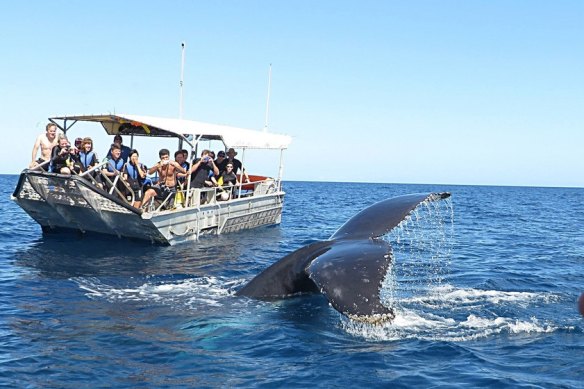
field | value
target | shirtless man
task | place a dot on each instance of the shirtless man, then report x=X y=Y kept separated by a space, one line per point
x=167 y=170
x=46 y=142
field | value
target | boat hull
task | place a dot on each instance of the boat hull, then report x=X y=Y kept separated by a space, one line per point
x=59 y=202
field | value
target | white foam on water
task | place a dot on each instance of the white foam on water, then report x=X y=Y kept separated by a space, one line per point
x=447 y=296
x=412 y=325
x=207 y=291
x=444 y=314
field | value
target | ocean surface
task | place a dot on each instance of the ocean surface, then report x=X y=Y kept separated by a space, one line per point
x=484 y=286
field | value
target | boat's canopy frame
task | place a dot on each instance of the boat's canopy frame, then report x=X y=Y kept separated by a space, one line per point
x=189 y=131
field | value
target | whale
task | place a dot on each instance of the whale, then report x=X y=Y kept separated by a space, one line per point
x=348 y=268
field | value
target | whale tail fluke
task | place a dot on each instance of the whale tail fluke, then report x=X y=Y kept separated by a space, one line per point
x=348 y=269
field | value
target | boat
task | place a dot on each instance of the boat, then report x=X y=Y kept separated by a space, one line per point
x=75 y=202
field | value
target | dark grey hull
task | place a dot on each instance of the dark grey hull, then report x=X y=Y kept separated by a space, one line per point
x=57 y=202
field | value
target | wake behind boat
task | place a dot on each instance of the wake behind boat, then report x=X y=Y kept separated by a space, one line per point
x=77 y=202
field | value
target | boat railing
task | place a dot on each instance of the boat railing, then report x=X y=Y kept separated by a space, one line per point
x=89 y=171
x=88 y=174
x=40 y=165
x=164 y=202
x=128 y=196
x=113 y=186
x=196 y=197
x=183 y=198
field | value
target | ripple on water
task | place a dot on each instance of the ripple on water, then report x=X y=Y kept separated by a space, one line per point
x=482 y=292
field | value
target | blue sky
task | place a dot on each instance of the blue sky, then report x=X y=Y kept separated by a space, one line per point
x=437 y=92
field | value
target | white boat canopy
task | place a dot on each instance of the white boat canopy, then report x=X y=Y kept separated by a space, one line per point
x=186 y=129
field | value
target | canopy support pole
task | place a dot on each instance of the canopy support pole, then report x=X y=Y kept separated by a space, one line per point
x=182 y=71
x=268 y=99
x=281 y=170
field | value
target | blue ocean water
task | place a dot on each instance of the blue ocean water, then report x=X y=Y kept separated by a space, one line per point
x=484 y=286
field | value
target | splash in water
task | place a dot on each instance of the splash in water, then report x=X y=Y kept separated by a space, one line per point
x=426 y=306
x=421 y=250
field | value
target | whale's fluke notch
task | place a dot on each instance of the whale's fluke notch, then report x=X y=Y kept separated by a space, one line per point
x=349 y=268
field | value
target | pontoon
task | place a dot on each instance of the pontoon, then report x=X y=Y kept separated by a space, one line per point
x=76 y=202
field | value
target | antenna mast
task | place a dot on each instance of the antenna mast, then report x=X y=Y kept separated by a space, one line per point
x=182 y=71
x=268 y=100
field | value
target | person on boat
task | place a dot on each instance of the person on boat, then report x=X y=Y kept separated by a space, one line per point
x=200 y=170
x=46 y=142
x=225 y=178
x=166 y=186
x=135 y=174
x=115 y=164
x=89 y=159
x=211 y=174
x=226 y=181
x=180 y=157
x=61 y=160
x=125 y=150
x=87 y=156
x=78 y=142
x=219 y=161
x=231 y=153
x=76 y=166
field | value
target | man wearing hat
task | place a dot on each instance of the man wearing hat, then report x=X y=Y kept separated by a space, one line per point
x=231 y=153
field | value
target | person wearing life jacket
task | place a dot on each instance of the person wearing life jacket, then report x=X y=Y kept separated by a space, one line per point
x=135 y=174
x=88 y=159
x=114 y=165
x=124 y=150
x=87 y=156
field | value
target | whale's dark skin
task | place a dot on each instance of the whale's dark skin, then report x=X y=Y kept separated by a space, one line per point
x=349 y=268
